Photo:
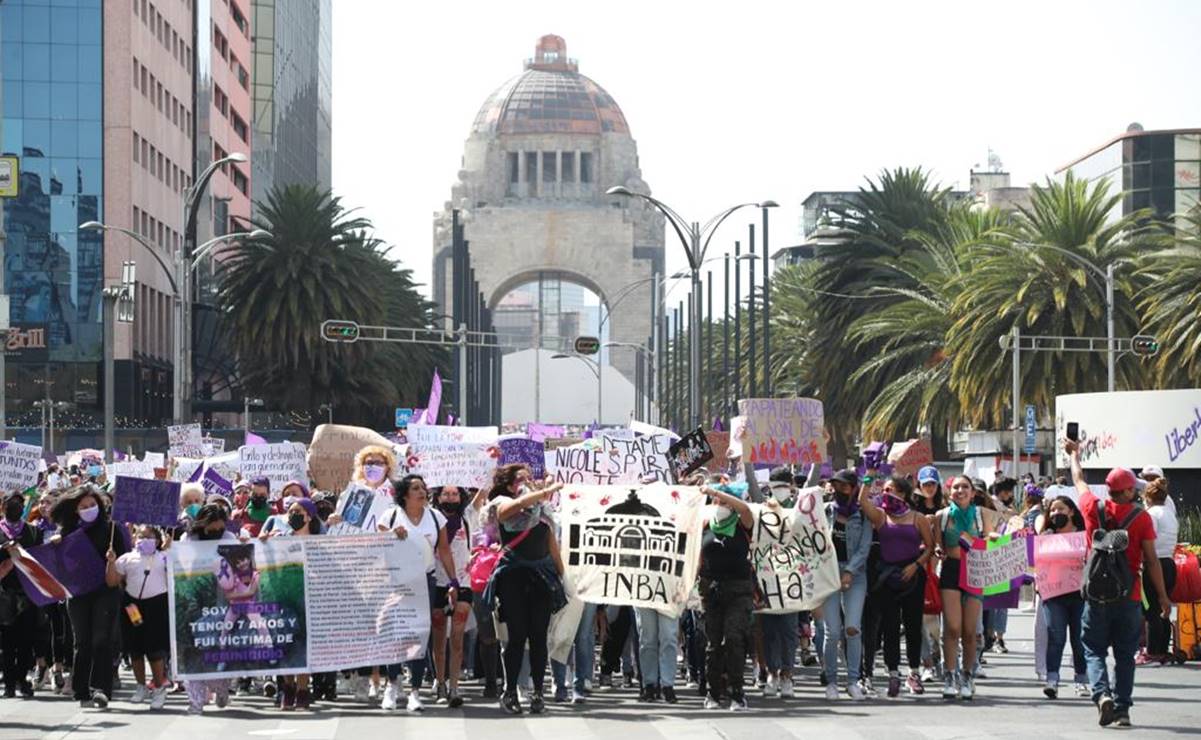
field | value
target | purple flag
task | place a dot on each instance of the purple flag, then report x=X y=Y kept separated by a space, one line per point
x=74 y=563
x=197 y=473
x=435 y=402
x=214 y=482
x=254 y=439
x=118 y=456
x=717 y=426
x=418 y=418
x=450 y=419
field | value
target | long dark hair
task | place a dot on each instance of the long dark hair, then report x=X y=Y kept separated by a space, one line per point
x=401 y=492
x=504 y=477
x=208 y=514
x=1077 y=517
x=65 y=512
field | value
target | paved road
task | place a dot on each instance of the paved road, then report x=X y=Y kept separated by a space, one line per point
x=1009 y=704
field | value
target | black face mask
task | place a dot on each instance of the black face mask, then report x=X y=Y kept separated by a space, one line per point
x=258 y=502
x=451 y=509
x=296 y=521
x=13 y=511
x=1059 y=520
x=212 y=534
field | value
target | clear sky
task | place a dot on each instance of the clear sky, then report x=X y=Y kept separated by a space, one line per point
x=752 y=100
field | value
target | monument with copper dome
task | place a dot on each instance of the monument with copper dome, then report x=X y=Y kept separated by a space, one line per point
x=543 y=149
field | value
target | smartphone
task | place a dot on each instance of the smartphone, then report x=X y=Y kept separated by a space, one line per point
x=1074 y=431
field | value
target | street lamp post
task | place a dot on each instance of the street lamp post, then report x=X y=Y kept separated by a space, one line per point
x=695 y=245
x=247 y=402
x=644 y=355
x=47 y=406
x=595 y=367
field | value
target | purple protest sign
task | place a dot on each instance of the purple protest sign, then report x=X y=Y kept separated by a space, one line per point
x=529 y=452
x=214 y=482
x=73 y=564
x=543 y=432
x=140 y=501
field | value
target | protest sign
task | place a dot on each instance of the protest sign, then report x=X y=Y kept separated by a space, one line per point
x=737 y=435
x=19 y=466
x=187 y=469
x=528 y=452
x=279 y=463
x=428 y=433
x=636 y=547
x=185 y=440
x=142 y=501
x=72 y=566
x=719 y=442
x=787 y=431
x=541 y=432
x=793 y=556
x=213 y=446
x=155 y=459
x=909 y=457
x=332 y=452
x=614 y=433
x=642 y=429
x=990 y=565
x=689 y=453
x=554 y=443
x=130 y=469
x=466 y=464
x=1059 y=563
x=361 y=509
x=215 y=483
x=608 y=461
x=296 y=605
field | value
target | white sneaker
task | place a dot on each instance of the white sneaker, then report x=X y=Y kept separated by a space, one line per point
x=855 y=691
x=158 y=697
x=831 y=692
x=389 y=702
x=786 y=691
x=772 y=687
x=927 y=675
x=1083 y=691
x=739 y=704
x=415 y=704
x=139 y=694
x=373 y=691
x=967 y=687
x=711 y=703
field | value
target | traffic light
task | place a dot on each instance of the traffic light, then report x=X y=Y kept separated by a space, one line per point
x=340 y=331
x=1144 y=345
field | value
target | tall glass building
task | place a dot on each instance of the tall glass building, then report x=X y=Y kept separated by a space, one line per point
x=53 y=121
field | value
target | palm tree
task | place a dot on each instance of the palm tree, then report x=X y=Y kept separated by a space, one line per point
x=274 y=294
x=1171 y=305
x=1032 y=282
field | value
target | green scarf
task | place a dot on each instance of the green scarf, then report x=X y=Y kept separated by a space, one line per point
x=724 y=528
x=964 y=519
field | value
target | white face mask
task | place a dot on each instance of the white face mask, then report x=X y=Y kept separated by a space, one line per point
x=722 y=513
x=781 y=493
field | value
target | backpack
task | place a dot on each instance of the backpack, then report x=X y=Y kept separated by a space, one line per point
x=1107 y=575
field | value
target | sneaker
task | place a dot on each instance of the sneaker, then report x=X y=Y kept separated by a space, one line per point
x=647 y=694
x=158 y=697
x=490 y=690
x=1082 y=690
x=999 y=648
x=823 y=679
x=808 y=659
x=967 y=687
x=1051 y=690
x=414 y=704
x=389 y=701
x=868 y=690
x=99 y=700
x=605 y=681
x=453 y=700
x=1106 y=711
x=669 y=695
x=831 y=693
x=223 y=698
x=26 y=689
x=372 y=691
x=738 y=703
x=927 y=675
x=195 y=709
x=628 y=682
x=771 y=687
x=440 y=692
x=57 y=682
x=561 y=695
x=577 y=697
x=855 y=691
x=949 y=689
x=1121 y=718
x=269 y=688
x=537 y=703
x=510 y=703
x=894 y=686
x=914 y=684
x=711 y=702
x=978 y=674
x=786 y=688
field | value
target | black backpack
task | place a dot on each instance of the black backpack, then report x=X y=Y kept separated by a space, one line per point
x=1107 y=575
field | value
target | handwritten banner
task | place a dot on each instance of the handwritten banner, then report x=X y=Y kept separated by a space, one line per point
x=794 y=559
x=1059 y=563
x=431 y=434
x=782 y=430
x=19 y=466
x=279 y=463
x=689 y=453
x=185 y=440
x=332 y=452
x=141 y=501
x=909 y=457
x=609 y=461
x=719 y=442
x=131 y=469
x=467 y=464
x=528 y=452
x=990 y=566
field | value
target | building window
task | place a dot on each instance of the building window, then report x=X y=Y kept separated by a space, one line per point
x=145 y=152
x=137 y=146
x=239 y=127
x=145 y=86
x=514 y=168
x=136 y=66
x=585 y=166
x=567 y=162
x=137 y=216
x=240 y=181
x=549 y=169
x=531 y=167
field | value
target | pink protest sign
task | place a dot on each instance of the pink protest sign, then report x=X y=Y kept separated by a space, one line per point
x=1059 y=563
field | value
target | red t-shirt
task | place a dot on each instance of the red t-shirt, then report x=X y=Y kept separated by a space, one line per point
x=1142 y=528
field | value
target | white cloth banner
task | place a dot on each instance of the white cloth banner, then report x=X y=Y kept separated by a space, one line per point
x=636 y=548
x=296 y=605
x=424 y=434
x=279 y=463
x=185 y=440
x=18 y=466
x=131 y=469
x=609 y=461
x=794 y=559
x=468 y=464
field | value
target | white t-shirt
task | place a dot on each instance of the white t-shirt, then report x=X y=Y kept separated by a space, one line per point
x=429 y=526
x=145 y=577
x=1166 y=530
x=460 y=553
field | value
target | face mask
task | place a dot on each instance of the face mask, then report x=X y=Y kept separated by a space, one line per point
x=373 y=472
x=894 y=506
x=452 y=509
x=213 y=534
x=13 y=511
x=296 y=521
x=146 y=547
x=782 y=494
x=89 y=515
x=192 y=510
x=1059 y=520
x=258 y=502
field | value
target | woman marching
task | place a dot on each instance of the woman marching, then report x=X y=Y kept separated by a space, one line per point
x=19 y=617
x=1062 y=614
x=842 y=612
x=145 y=619
x=451 y=501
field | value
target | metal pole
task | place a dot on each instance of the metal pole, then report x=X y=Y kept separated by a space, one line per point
x=664 y=371
x=737 y=325
x=752 y=382
x=109 y=297
x=600 y=386
x=51 y=404
x=462 y=378
x=725 y=342
x=694 y=375
x=767 y=374
x=246 y=416
x=1110 y=348
x=653 y=378
x=1017 y=395
x=177 y=374
x=709 y=346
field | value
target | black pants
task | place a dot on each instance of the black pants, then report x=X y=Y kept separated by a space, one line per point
x=54 y=643
x=525 y=610
x=728 y=607
x=93 y=618
x=616 y=636
x=694 y=644
x=17 y=640
x=1159 y=630
x=873 y=608
x=897 y=609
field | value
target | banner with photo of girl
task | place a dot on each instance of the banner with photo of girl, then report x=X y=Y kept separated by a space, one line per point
x=795 y=564
x=296 y=605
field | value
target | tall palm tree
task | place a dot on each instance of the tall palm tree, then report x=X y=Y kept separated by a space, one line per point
x=1031 y=281
x=1171 y=304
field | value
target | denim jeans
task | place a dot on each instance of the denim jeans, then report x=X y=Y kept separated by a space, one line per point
x=585 y=647
x=842 y=612
x=780 y=640
x=1062 y=615
x=1118 y=626
x=658 y=639
x=998 y=621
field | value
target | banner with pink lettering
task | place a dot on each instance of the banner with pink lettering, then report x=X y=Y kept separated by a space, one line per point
x=1059 y=563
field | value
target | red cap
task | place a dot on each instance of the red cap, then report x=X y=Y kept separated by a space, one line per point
x=1120 y=479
